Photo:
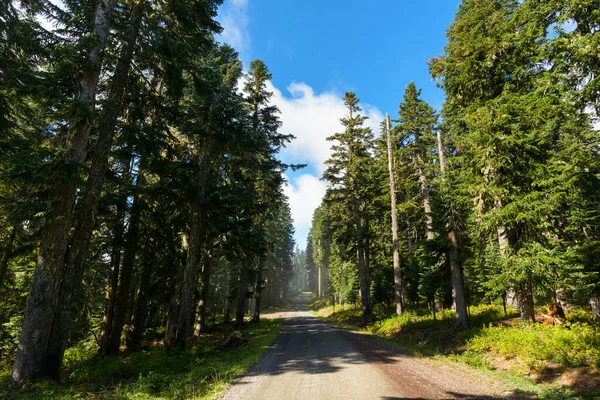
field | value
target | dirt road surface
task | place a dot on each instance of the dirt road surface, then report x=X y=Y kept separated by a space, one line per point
x=311 y=359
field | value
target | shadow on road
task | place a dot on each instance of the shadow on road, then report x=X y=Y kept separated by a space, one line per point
x=307 y=345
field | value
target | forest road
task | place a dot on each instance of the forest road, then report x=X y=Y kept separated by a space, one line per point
x=311 y=359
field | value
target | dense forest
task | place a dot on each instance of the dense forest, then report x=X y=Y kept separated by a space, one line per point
x=140 y=192
x=496 y=198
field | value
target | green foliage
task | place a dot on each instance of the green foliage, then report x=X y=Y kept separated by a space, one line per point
x=571 y=345
x=524 y=348
x=202 y=371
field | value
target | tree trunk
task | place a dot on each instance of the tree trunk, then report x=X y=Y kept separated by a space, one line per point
x=319 y=292
x=230 y=295
x=8 y=249
x=595 y=304
x=424 y=190
x=363 y=275
x=201 y=322
x=115 y=261
x=441 y=155
x=242 y=289
x=43 y=300
x=186 y=301
x=78 y=251
x=186 y=304
x=456 y=272
x=394 y=208
x=122 y=302
x=525 y=298
x=524 y=290
x=458 y=289
x=138 y=321
x=172 y=318
x=87 y=208
x=259 y=288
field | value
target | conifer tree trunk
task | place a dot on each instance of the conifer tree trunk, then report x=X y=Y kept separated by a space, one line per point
x=189 y=279
x=194 y=256
x=173 y=309
x=319 y=290
x=172 y=318
x=42 y=302
x=394 y=209
x=138 y=321
x=242 y=289
x=201 y=322
x=259 y=288
x=595 y=304
x=79 y=249
x=6 y=253
x=115 y=263
x=424 y=190
x=524 y=290
x=362 y=270
x=525 y=298
x=123 y=296
x=230 y=295
x=456 y=272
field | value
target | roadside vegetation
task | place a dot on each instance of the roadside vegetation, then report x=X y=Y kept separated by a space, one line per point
x=204 y=370
x=564 y=358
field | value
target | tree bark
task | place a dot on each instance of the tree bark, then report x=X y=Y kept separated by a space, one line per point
x=189 y=280
x=456 y=271
x=259 y=288
x=138 y=321
x=186 y=305
x=242 y=289
x=87 y=208
x=441 y=155
x=230 y=295
x=458 y=289
x=115 y=261
x=595 y=304
x=362 y=270
x=122 y=302
x=42 y=302
x=394 y=208
x=424 y=190
x=523 y=290
x=525 y=297
x=201 y=322
x=7 y=252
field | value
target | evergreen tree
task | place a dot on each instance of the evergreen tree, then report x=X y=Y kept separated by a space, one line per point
x=347 y=173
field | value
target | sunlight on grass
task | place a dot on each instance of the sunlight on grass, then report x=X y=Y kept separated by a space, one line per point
x=202 y=371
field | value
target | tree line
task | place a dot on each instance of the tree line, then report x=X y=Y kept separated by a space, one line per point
x=495 y=198
x=140 y=191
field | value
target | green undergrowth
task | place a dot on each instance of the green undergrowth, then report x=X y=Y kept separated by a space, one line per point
x=537 y=352
x=202 y=371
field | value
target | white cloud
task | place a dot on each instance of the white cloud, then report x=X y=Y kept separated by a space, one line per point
x=304 y=195
x=312 y=118
x=233 y=17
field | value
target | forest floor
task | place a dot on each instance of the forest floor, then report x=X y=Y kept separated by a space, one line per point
x=543 y=361
x=204 y=370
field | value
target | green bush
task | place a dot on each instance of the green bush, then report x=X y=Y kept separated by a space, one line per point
x=200 y=371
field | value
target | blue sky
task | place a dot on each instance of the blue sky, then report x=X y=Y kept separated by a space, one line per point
x=317 y=50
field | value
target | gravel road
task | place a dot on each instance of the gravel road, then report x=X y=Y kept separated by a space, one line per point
x=311 y=359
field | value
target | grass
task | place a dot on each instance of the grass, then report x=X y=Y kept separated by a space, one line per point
x=202 y=371
x=523 y=353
